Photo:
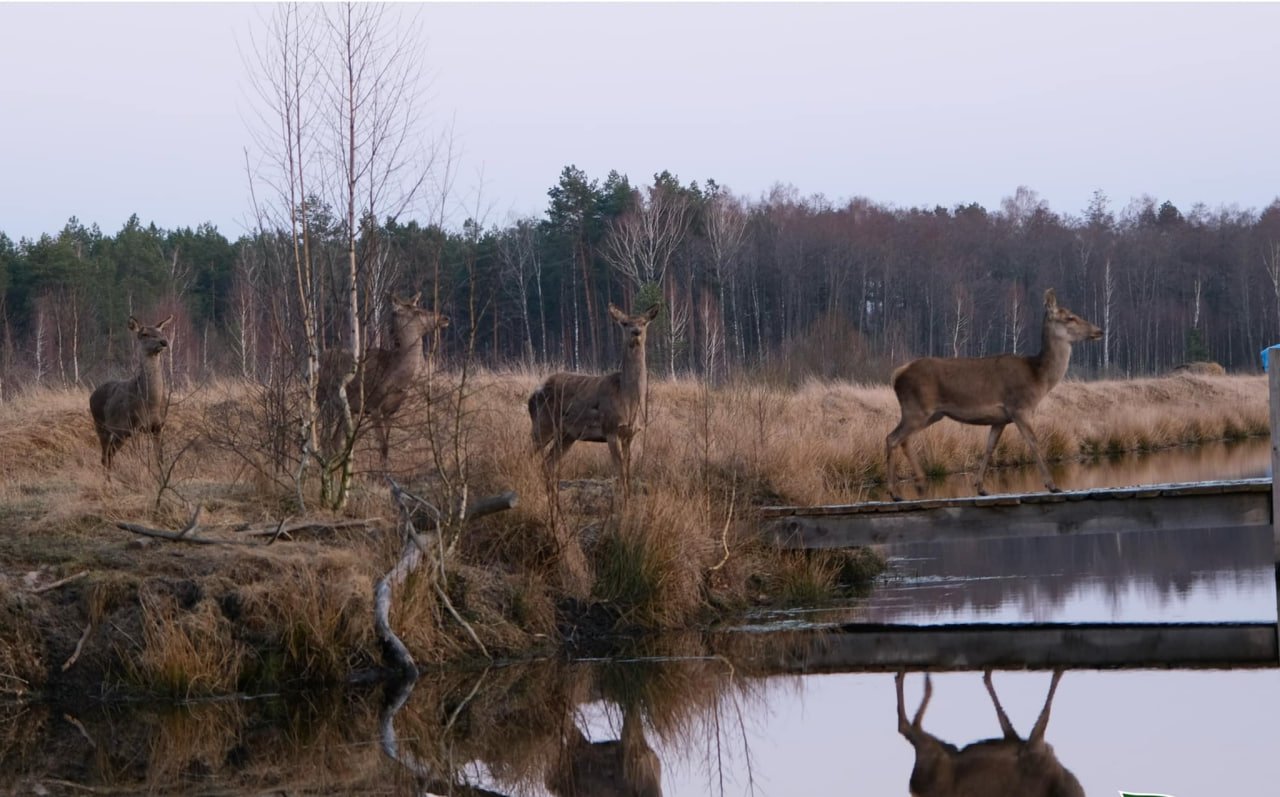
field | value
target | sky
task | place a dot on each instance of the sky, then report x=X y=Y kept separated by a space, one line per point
x=109 y=110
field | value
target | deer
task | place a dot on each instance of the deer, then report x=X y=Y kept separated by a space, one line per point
x=623 y=767
x=383 y=376
x=608 y=408
x=122 y=407
x=1007 y=766
x=984 y=391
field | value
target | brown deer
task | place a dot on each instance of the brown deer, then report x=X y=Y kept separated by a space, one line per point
x=1007 y=766
x=383 y=376
x=984 y=391
x=125 y=406
x=623 y=767
x=597 y=409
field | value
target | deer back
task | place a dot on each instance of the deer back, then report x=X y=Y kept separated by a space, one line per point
x=570 y=403
x=938 y=384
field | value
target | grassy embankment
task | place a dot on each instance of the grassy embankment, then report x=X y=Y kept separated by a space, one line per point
x=184 y=619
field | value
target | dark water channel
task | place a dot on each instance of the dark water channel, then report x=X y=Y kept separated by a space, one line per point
x=714 y=714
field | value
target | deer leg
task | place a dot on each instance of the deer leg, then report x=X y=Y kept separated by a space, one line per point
x=104 y=441
x=1005 y=726
x=993 y=437
x=916 y=469
x=625 y=444
x=911 y=423
x=890 y=469
x=924 y=702
x=1042 y=722
x=1029 y=435
x=558 y=449
x=614 y=442
x=904 y=727
x=113 y=444
x=897 y=439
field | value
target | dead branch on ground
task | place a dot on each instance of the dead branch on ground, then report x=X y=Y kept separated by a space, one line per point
x=416 y=548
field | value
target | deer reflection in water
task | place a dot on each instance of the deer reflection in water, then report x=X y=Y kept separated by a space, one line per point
x=623 y=767
x=1008 y=766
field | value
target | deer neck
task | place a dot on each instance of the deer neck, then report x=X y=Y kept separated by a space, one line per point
x=635 y=376
x=151 y=380
x=407 y=356
x=1055 y=356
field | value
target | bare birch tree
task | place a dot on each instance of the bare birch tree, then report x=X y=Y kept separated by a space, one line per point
x=338 y=88
x=285 y=76
x=521 y=269
x=725 y=224
x=640 y=246
x=641 y=241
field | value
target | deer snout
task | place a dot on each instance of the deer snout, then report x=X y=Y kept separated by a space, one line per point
x=1096 y=334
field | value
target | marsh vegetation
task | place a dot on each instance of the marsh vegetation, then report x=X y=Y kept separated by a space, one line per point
x=179 y=619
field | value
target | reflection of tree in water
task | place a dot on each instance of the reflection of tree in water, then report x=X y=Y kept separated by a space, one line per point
x=1033 y=574
x=510 y=730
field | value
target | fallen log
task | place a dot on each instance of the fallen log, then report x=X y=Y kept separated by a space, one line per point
x=415 y=549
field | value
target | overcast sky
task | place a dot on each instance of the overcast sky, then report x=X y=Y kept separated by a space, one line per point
x=108 y=110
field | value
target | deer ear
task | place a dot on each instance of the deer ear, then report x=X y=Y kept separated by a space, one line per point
x=1050 y=299
x=413 y=300
x=652 y=312
x=162 y=324
x=617 y=314
x=134 y=325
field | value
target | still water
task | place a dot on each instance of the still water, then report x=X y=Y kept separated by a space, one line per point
x=706 y=715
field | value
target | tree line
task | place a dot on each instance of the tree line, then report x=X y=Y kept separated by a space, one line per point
x=780 y=287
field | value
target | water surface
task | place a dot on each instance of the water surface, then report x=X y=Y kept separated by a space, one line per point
x=703 y=714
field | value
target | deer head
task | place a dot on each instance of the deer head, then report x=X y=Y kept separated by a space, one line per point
x=412 y=322
x=151 y=340
x=1066 y=325
x=634 y=327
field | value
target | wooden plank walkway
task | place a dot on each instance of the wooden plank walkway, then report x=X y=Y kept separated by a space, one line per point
x=1233 y=504
x=860 y=647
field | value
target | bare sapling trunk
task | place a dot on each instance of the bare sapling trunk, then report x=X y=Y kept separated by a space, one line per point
x=984 y=391
x=598 y=409
x=1007 y=766
x=123 y=407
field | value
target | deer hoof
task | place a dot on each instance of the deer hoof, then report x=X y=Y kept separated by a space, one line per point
x=981 y=491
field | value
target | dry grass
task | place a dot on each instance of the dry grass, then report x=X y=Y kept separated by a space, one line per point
x=188 y=647
x=682 y=551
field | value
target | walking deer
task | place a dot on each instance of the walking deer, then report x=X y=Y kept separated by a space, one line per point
x=122 y=407
x=597 y=409
x=1007 y=766
x=984 y=391
x=383 y=376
